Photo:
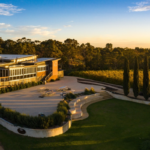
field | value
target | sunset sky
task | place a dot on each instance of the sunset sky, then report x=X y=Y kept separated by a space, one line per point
x=122 y=23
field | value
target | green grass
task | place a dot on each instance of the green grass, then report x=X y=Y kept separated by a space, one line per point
x=112 y=125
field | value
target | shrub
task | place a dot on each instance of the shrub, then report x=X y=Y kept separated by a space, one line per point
x=92 y=90
x=32 y=83
x=7 y=89
x=3 y=90
x=51 y=122
x=69 y=96
x=35 y=84
x=59 y=118
x=23 y=86
x=29 y=84
x=63 y=103
x=44 y=122
x=58 y=79
x=17 y=87
x=14 y=87
x=52 y=80
x=20 y=86
x=62 y=109
x=39 y=82
x=10 y=88
x=86 y=91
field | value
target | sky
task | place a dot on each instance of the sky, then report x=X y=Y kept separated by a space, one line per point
x=122 y=23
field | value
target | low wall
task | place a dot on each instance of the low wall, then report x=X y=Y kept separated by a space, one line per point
x=36 y=133
x=76 y=104
x=125 y=98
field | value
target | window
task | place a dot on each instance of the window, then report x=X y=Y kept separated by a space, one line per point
x=42 y=68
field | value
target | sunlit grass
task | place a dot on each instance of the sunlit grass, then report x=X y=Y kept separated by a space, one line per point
x=112 y=125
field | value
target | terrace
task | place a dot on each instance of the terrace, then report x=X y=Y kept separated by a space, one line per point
x=27 y=101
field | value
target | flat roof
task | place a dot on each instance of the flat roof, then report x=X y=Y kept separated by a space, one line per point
x=13 y=56
x=45 y=59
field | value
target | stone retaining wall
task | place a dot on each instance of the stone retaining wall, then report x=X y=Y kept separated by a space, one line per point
x=76 y=104
x=36 y=133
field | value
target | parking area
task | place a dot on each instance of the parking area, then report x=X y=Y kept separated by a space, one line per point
x=27 y=101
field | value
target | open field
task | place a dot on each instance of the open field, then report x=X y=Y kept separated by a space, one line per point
x=109 y=76
x=112 y=125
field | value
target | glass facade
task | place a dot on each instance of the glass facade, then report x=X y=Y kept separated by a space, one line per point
x=43 y=68
x=21 y=73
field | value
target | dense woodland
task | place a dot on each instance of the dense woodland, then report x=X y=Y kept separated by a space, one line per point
x=75 y=56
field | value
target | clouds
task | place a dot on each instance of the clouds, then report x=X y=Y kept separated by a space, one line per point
x=4 y=25
x=27 y=30
x=142 y=6
x=67 y=26
x=9 y=9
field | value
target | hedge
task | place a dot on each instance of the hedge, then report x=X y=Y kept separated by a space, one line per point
x=19 y=86
x=55 y=119
x=89 y=92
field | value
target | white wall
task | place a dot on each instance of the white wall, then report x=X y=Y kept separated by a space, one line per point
x=37 y=133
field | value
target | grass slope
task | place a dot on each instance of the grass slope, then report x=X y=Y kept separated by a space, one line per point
x=112 y=125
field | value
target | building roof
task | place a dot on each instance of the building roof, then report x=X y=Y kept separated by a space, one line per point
x=44 y=59
x=13 y=56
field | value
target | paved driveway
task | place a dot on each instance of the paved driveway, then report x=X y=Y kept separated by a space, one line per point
x=27 y=101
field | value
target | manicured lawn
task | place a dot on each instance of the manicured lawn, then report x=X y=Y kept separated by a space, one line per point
x=112 y=125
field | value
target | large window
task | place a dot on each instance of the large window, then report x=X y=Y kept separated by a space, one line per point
x=3 y=73
x=29 y=70
x=19 y=72
x=16 y=74
x=43 y=68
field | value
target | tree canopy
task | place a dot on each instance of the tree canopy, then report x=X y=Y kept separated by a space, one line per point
x=76 y=56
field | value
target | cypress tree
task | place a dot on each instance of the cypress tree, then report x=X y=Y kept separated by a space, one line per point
x=136 y=88
x=126 y=76
x=146 y=78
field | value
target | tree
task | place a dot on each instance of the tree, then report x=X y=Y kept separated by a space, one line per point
x=126 y=78
x=109 y=46
x=136 y=88
x=1 y=49
x=146 y=78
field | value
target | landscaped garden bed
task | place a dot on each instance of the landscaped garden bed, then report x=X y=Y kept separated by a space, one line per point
x=69 y=96
x=19 y=87
x=58 y=118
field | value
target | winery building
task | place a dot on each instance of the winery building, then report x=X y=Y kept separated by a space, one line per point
x=17 y=69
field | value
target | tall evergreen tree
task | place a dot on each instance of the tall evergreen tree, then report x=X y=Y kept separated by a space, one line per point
x=136 y=88
x=126 y=77
x=146 y=78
